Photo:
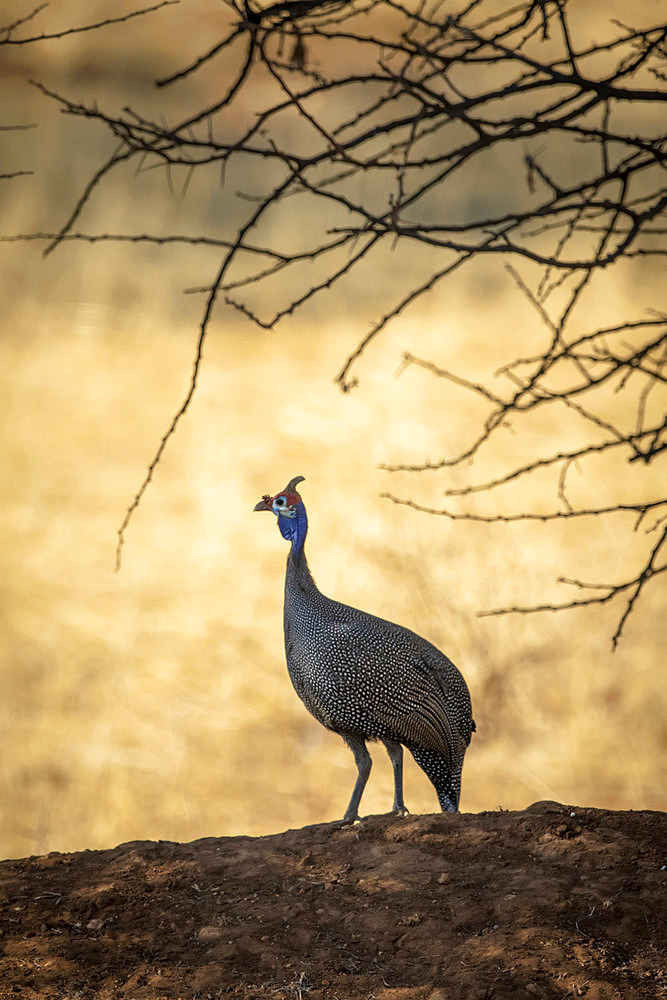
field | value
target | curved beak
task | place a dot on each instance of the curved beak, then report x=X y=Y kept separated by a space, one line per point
x=264 y=504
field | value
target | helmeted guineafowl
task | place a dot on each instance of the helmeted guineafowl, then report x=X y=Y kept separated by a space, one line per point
x=367 y=679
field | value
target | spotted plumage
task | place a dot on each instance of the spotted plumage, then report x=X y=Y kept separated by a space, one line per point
x=368 y=679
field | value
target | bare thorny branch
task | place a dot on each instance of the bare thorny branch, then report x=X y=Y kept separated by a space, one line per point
x=437 y=92
x=13 y=34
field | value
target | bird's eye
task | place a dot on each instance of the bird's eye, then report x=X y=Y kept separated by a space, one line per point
x=280 y=501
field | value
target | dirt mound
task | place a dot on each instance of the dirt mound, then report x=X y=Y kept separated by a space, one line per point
x=554 y=901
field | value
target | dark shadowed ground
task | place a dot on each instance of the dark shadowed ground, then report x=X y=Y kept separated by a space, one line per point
x=553 y=901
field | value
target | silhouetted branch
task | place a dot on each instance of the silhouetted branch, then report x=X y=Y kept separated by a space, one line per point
x=368 y=150
x=8 y=37
x=640 y=509
x=210 y=302
x=631 y=589
x=6 y=32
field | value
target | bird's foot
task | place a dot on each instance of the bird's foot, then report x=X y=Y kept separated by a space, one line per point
x=401 y=811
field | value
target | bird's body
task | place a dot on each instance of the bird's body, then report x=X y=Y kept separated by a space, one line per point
x=369 y=679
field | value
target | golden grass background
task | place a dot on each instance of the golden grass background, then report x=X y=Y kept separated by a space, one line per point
x=155 y=703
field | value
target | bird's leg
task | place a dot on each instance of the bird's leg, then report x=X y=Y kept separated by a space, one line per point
x=364 y=763
x=395 y=751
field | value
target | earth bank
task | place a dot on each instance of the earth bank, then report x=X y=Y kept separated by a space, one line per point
x=553 y=901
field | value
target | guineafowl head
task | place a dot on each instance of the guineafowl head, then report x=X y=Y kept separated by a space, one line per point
x=290 y=511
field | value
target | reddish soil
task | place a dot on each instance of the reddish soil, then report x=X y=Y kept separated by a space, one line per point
x=551 y=902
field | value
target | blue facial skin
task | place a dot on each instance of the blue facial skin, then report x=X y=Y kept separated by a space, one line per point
x=292 y=521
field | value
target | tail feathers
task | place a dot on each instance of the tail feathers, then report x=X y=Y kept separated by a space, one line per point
x=445 y=778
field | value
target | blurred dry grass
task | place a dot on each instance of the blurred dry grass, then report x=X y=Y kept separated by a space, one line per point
x=155 y=703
